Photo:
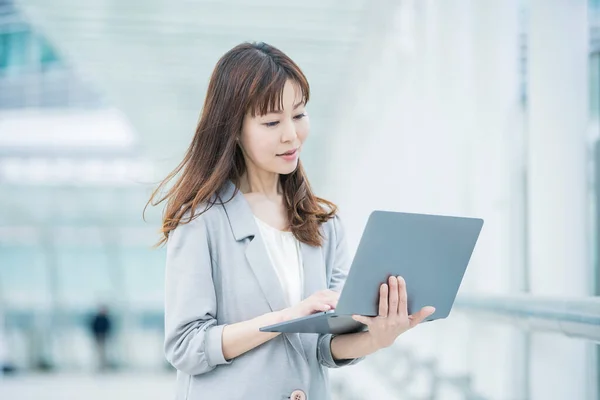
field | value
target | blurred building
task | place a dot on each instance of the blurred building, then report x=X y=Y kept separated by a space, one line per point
x=455 y=107
x=73 y=186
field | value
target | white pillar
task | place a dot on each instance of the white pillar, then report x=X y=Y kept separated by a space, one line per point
x=558 y=244
x=496 y=350
x=450 y=118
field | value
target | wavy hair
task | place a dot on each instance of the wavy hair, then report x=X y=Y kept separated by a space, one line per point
x=248 y=79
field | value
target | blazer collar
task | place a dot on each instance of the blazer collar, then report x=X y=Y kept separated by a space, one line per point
x=239 y=213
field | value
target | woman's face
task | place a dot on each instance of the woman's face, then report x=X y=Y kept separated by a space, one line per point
x=272 y=142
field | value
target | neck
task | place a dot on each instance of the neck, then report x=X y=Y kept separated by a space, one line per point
x=263 y=182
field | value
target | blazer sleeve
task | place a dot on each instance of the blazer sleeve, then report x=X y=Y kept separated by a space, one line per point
x=339 y=272
x=193 y=340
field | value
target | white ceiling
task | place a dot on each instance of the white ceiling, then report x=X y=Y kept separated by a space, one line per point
x=153 y=58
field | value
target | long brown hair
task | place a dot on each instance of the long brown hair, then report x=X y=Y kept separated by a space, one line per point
x=248 y=79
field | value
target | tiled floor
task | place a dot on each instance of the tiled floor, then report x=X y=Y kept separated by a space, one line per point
x=151 y=386
x=351 y=383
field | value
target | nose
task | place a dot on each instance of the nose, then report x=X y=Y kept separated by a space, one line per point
x=288 y=133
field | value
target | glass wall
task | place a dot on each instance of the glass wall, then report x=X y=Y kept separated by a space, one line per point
x=72 y=238
x=486 y=110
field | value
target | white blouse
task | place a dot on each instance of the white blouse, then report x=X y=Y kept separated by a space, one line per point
x=284 y=251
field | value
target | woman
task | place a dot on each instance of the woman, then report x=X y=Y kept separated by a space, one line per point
x=250 y=245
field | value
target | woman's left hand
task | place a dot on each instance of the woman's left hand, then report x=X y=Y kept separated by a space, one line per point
x=393 y=318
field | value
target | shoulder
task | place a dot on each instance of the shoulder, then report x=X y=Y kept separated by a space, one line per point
x=333 y=229
x=204 y=219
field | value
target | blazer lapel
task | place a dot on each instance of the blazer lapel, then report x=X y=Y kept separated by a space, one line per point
x=265 y=273
x=241 y=220
x=243 y=225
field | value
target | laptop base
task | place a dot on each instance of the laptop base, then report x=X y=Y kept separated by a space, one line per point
x=318 y=323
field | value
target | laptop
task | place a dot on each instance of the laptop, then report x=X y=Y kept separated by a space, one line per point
x=431 y=253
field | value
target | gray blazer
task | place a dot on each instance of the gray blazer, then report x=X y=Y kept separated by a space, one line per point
x=218 y=272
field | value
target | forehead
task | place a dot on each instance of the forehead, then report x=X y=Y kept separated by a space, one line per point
x=291 y=97
x=280 y=95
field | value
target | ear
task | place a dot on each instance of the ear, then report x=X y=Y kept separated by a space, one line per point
x=238 y=142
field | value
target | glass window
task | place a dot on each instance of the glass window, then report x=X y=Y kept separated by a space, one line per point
x=24 y=280
x=144 y=277
x=17 y=49
x=48 y=56
x=4 y=46
x=85 y=278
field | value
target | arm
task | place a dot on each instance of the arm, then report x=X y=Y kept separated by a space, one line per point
x=352 y=345
x=194 y=343
x=244 y=336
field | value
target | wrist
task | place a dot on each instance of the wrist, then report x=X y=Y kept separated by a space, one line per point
x=279 y=316
x=270 y=318
x=371 y=343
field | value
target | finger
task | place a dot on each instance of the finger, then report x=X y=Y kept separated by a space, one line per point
x=320 y=306
x=331 y=300
x=393 y=296
x=421 y=315
x=402 y=297
x=334 y=297
x=330 y=296
x=362 y=319
x=383 y=300
x=331 y=293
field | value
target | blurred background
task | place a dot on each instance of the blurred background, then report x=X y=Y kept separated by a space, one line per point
x=465 y=107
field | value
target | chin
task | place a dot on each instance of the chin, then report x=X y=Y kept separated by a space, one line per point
x=289 y=170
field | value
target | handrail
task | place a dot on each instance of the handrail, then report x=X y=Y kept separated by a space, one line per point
x=574 y=317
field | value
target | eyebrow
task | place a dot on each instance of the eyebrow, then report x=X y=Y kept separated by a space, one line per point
x=280 y=112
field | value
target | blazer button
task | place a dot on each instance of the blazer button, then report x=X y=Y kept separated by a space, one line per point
x=298 y=395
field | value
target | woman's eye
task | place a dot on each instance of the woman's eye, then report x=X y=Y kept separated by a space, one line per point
x=275 y=123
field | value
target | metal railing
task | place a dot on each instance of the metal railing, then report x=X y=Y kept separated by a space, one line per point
x=573 y=317
x=577 y=318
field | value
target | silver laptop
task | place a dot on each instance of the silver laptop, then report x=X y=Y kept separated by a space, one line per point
x=431 y=253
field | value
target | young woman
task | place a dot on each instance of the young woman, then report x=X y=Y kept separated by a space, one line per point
x=249 y=245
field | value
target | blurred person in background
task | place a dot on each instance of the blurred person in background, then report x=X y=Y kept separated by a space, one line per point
x=4 y=367
x=101 y=329
x=249 y=244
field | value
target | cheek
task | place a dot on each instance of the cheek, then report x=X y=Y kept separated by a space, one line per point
x=258 y=144
x=303 y=130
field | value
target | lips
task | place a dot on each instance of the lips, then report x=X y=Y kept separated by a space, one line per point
x=289 y=153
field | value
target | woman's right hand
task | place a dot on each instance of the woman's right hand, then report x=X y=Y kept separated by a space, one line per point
x=323 y=300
